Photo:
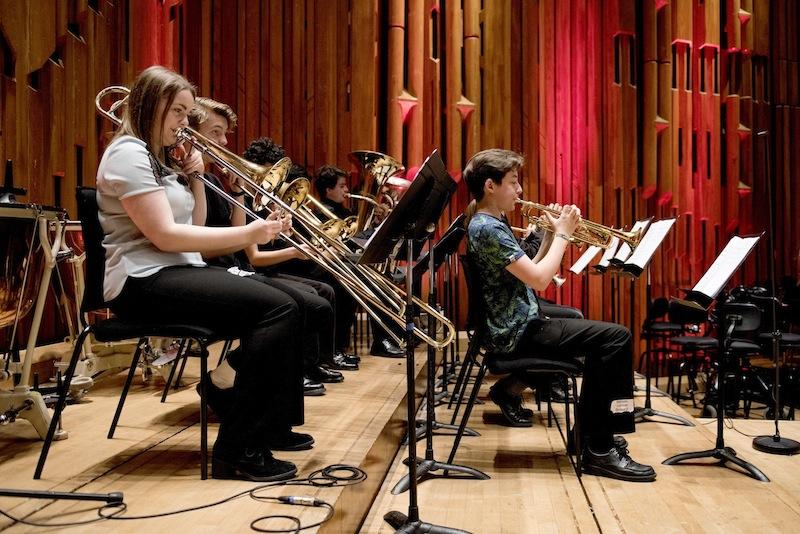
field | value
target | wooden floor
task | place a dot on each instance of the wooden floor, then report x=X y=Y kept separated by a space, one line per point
x=533 y=488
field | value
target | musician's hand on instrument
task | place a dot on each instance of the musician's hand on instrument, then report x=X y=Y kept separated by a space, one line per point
x=263 y=231
x=190 y=161
x=568 y=220
x=299 y=255
x=274 y=215
x=286 y=220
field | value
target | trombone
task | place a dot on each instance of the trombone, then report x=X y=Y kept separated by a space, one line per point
x=270 y=192
x=587 y=232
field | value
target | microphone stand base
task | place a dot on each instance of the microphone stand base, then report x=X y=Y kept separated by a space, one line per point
x=776 y=445
x=401 y=523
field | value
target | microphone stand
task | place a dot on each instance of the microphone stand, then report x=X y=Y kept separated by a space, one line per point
x=774 y=444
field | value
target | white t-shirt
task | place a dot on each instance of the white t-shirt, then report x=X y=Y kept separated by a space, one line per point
x=128 y=169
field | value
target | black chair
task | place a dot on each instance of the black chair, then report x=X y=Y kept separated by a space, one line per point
x=569 y=369
x=111 y=330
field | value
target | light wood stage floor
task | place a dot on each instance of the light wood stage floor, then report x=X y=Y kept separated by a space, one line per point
x=154 y=461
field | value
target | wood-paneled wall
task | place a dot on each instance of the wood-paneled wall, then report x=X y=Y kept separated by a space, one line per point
x=627 y=108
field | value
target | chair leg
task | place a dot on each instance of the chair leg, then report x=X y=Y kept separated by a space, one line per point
x=203 y=411
x=174 y=366
x=460 y=387
x=467 y=412
x=226 y=347
x=124 y=395
x=61 y=402
x=177 y=383
x=577 y=430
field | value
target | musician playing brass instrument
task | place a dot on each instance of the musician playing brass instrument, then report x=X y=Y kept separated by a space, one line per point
x=516 y=327
x=154 y=271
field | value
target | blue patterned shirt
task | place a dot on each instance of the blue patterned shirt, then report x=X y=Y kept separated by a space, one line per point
x=510 y=304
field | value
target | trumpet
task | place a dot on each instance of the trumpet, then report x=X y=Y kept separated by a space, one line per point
x=587 y=232
x=269 y=190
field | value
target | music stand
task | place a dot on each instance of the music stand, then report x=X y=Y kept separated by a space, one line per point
x=695 y=306
x=414 y=217
x=634 y=265
x=447 y=245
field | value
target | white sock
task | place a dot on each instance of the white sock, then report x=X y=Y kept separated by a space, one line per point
x=223 y=376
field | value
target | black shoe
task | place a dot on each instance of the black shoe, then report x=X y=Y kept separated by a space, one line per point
x=312 y=388
x=323 y=375
x=291 y=441
x=512 y=408
x=219 y=400
x=616 y=464
x=349 y=358
x=386 y=348
x=250 y=464
x=339 y=363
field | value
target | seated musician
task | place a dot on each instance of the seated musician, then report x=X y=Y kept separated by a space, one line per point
x=214 y=120
x=151 y=210
x=331 y=186
x=516 y=327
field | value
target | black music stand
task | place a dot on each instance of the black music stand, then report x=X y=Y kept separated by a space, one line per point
x=694 y=309
x=413 y=218
x=634 y=265
x=447 y=245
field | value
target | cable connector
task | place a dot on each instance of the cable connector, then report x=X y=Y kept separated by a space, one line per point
x=300 y=500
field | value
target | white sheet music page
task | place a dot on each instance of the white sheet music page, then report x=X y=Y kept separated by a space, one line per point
x=726 y=263
x=609 y=253
x=584 y=260
x=625 y=249
x=650 y=242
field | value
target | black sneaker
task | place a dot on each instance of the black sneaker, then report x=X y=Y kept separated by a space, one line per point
x=250 y=464
x=616 y=464
x=512 y=408
x=339 y=363
x=291 y=441
x=349 y=357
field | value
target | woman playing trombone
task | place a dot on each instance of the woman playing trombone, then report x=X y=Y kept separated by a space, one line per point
x=155 y=272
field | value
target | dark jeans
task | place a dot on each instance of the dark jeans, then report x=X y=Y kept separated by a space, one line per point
x=269 y=377
x=607 y=375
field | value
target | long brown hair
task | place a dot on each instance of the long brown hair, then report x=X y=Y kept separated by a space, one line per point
x=151 y=86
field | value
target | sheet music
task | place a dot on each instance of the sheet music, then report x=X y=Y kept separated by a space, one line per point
x=609 y=253
x=625 y=249
x=584 y=260
x=650 y=242
x=726 y=263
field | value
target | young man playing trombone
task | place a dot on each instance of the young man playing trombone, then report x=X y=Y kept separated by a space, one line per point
x=516 y=327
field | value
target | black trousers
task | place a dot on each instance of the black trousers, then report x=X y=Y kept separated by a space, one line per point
x=266 y=320
x=608 y=370
x=317 y=303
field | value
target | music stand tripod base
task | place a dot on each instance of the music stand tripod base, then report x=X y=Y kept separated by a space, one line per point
x=426 y=467
x=723 y=454
x=641 y=413
x=400 y=522
x=776 y=445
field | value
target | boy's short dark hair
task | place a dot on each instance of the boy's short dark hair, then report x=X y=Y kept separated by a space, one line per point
x=327 y=176
x=264 y=151
x=494 y=164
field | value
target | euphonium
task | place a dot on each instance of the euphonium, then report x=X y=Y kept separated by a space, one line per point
x=374 y=168
x=587 y=232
